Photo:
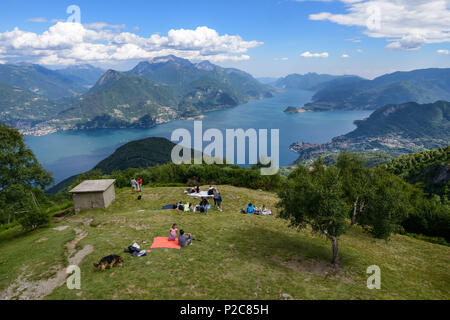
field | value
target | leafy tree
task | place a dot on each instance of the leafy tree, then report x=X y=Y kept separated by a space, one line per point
x=21 y=176
x=356 y=182
x=316 y=198
x=389 y=202
x=380 y=201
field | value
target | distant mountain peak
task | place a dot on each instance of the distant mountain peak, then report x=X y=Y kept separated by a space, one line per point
x=206 y=65
x=108 y=77
x=169 y=58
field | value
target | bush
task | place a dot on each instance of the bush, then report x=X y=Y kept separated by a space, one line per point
x=429 y=218
x=436 y=240
x=34 y=219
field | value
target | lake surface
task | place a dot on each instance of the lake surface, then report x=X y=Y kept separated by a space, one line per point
x=68 y=153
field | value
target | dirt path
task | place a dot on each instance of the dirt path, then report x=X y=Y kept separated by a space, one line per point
x=23 y=289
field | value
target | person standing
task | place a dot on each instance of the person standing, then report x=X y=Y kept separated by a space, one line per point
x=139 y=182
x=219 y=201
x=133 y=185
x=216 y=197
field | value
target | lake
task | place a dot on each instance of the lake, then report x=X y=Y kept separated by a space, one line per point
x=67 y=153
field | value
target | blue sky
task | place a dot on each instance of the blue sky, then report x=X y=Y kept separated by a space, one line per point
x=268 y=37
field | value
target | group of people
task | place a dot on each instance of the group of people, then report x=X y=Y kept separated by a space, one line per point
x=203 y=206
x=136 y=185
x=255 y=210
x=184 y=239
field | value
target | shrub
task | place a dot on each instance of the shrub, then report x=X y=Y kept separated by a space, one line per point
x=34 y=219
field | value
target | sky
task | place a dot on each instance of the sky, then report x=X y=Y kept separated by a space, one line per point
x=267 y=38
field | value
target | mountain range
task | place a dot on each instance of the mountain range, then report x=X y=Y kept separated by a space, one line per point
x=39 y=80
x=421 y=86
x=155 y=91
x=38 y=100
x=310 y=81
x=394 y=129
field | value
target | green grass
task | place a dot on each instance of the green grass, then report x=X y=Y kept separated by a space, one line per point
x=239 y=257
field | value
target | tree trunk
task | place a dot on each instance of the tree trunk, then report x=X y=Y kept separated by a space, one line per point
x=334 y=245
x=355 y=205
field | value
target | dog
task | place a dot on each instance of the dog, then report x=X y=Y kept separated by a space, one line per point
x=109 y=261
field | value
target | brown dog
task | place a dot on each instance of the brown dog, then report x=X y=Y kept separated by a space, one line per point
x=109 y=261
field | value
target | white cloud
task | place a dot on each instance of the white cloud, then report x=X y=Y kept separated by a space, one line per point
x=308 y=54
x=345 y=56
x=359 y=50
x=281 y=59
x=406 y=24
x=70 y=43
x=442 y=51
x=355 y=40
x=104 y=25
x=38 y=20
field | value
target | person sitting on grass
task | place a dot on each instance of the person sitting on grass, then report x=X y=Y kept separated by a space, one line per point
x=173 y=232
x=204 y=205
x=190 y=190
x=192 y=207
x=184 y=239
x=187 y=207
x=197 y=189
x=250 y=208
x=180 y=206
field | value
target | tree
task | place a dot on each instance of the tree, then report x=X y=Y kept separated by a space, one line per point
x=388 y=204
x=356 y=182
x=316 y=198
x=21 y=175
x=380 y=201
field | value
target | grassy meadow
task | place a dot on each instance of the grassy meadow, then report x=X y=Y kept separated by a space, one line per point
x=240 y=256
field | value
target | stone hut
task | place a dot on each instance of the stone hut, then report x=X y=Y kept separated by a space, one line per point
x=93 y=194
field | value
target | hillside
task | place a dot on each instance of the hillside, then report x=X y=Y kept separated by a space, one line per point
x=127 y=101
x=239 y=257
x=84 y=74
x=22 y=108
x=309 y=81
x=392 y=129
x=143 y=153
x=430 y=170
x=39 y=80
x=421 y=86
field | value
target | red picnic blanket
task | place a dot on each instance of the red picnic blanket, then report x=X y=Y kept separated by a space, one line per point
x=164 y=242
